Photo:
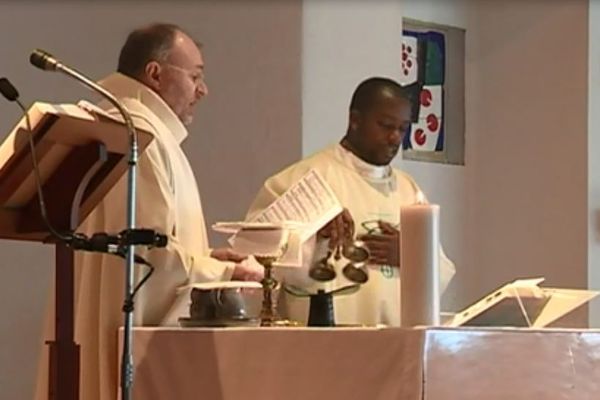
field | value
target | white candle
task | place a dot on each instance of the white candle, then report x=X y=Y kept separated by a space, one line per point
x=419 y=265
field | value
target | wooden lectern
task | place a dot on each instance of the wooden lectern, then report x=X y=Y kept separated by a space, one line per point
x=82 y=153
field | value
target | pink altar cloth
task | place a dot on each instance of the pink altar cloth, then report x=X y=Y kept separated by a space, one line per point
x=365 y=363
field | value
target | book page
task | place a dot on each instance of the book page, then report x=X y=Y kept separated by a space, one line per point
x=303 y=209
x=310 y=202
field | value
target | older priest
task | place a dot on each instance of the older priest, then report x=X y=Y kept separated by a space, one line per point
x=160 y=81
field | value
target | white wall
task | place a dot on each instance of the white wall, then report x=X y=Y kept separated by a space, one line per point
x=343 y=44
x=528 y=143
x=248 y=126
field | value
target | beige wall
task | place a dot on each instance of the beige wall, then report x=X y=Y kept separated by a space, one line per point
x=528 y=143
x=247 y=127
x=518 y=206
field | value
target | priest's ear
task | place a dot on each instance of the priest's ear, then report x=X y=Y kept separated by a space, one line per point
x=152 y=72
x=354 y=120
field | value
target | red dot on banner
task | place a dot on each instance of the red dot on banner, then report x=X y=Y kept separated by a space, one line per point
x=426 y=98
x=409 y=49
x=409 y=63
x=405 y=72
x=420 y=137
x=404 y=56
x=432 y=122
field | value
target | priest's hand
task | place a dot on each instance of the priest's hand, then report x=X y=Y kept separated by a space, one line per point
x=227 y=254
x=383 y=246
x=338 y=230
x=248 y=272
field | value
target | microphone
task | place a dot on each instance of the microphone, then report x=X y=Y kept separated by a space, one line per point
x=115 y=244
x=8 y=90
x=45 y=60
x=144 y=237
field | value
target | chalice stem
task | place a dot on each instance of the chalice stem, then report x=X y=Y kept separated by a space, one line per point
x=268 y=314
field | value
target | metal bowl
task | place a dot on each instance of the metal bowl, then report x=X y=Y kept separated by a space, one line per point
x=224 y=304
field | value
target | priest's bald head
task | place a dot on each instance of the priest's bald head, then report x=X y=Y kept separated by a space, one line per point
x=168 y=61
x=380 y=115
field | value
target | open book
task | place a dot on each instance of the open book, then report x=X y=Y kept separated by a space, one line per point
x=522 y=303
x=302 y=210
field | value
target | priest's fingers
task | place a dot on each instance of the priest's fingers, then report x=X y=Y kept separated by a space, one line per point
x=334 y=233
x=348 y=223
x=384 y=259
x=377 y=238
x=380 y=260
x=387 y=228
x=385 y=252
x=235 y=257
x=381 y=257
x=247 y=273
x=227 y=254
x=255 y=276
x=325 y=232
x=375 y=253
x=377 y=244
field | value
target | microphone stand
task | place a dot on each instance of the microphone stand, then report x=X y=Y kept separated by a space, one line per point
x=127 y=356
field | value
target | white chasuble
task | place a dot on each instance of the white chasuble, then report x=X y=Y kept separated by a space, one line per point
x=370 y=193
x=168 y=202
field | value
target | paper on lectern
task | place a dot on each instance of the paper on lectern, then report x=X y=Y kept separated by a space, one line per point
x=59 y=140
x=58 y=129
x=13 y=143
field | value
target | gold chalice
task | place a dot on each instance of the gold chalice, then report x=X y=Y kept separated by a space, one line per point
x=267 y=243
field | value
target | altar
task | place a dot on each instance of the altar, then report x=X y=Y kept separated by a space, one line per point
x=366 y=363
